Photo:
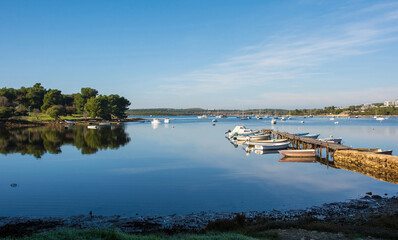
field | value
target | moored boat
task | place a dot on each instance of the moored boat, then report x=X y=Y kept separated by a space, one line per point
x=167 y=120
x=92 y=126
x=332 y=140
x=301 y=134
x=254 y=137
x=241 y=130
x=156 y=121
x=272 y=146
x=298 y=153
x=374 y=150
x=266 y=142
x=313 y=136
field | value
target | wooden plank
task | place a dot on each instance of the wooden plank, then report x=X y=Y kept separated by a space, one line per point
x=298 y=140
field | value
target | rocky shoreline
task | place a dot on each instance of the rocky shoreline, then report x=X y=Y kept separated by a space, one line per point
x=354 y=212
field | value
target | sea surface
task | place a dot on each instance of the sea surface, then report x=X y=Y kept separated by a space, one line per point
x=187 y=166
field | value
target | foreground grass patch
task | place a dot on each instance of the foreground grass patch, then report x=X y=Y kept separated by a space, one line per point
x=103 y=234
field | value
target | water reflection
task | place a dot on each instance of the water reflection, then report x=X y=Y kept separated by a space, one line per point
x=38 y=141
x=298 y=159
x=382 y=172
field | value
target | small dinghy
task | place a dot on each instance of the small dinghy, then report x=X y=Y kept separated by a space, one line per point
x=374 y=150
x=313 y=136
x=254 y=137
x=272 y=146
x=301 y=134
x=298 y=153
x=260 y=142
x=332 y=140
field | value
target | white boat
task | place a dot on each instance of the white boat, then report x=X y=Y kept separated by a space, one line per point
x=259 y=117
x=273 y=121
x=332 y=119
x=214 y=120
x=266 y=142
x=380 y=119
x=241 y=130
x=336 y=122
x=254 y=137
x=156 y=121
x=92 y=126
x=272 y=146
x=202 y=116
x=313 y=136
x=332 y=140
x=302 y=122
x=167 y=120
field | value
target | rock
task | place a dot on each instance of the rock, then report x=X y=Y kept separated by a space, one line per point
x=376 y=197
x=369 y=193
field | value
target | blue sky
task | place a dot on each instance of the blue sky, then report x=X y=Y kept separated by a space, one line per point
x=209 y=54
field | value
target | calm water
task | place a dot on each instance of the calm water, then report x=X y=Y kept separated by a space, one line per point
x=190 y=167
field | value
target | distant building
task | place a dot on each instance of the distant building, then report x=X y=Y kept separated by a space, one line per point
x=396 y=102
x=367 y=106
x=390 y=103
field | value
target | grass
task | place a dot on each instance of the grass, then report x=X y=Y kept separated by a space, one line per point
x=44 y=117
x=97 y=234
x=385 y=227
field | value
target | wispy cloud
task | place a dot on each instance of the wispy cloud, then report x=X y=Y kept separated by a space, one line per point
x=291 y=58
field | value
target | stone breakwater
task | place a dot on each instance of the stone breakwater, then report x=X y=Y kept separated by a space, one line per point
x=355 y=211
x=379 y=166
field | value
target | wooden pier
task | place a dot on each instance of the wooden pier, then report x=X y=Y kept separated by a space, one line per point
x=299 y=142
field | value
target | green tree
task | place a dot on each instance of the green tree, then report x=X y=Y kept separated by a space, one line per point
x=118 y=105
x=21 y=98
x=51 y=98
x=88 y=93
x=78 y=103
x=35 y=96
x=92 y=107
x=55 y=111
x=6 y=112
x=105 y=111
x=9 y=93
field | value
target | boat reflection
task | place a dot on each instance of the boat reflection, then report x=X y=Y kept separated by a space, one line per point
x=298 y=159
x=40 y=140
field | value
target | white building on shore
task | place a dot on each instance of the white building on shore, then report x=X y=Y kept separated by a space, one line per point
x=391 y=103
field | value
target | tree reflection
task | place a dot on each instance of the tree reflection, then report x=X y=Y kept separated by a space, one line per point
x=38 y=141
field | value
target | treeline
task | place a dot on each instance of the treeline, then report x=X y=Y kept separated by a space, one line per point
x=379 y=109
x=37 y=99
x=200 y=111
x=330 y=110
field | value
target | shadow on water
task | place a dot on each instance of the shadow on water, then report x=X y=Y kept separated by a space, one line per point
x=38 y=141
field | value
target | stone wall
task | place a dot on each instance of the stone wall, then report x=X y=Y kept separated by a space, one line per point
x=379 y=166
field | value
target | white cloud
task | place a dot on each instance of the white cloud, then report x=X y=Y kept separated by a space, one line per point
x=289 y=58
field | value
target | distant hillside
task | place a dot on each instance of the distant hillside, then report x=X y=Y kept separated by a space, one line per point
x=200 y=111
